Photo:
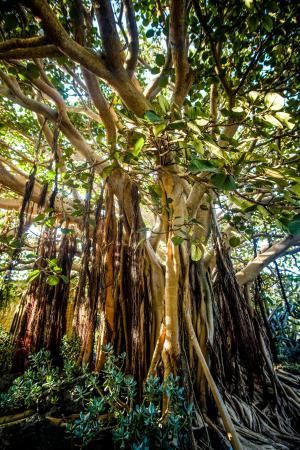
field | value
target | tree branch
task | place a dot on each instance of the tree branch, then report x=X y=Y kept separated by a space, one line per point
x=133 y=42
x=118 y=79
x=45 y=51
x=110 y=38
x=254 y=267
x=178 y=43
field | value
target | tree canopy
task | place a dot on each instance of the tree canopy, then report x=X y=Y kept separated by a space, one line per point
x=149 y=170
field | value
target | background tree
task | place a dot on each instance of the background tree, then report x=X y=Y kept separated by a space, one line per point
x=142 y=143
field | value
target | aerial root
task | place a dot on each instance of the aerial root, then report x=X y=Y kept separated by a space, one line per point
x=228 y=424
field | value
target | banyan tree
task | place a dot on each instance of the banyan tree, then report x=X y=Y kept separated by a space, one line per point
x=141 y=142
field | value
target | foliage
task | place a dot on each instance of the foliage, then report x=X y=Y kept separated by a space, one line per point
x=107 y=401
x=70 y=350
x=6 y=352
x=187 y=118
x=43 y=384
x=135 y=425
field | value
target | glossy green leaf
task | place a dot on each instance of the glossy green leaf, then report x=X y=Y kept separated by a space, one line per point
x=234 y=241
x=52 y=280
x=202 y=165
x=152 y=116
x=33 y=275
x=294 y=225
x=223 y=182
x=139 y=144
x=196 y=252
x=177 y=240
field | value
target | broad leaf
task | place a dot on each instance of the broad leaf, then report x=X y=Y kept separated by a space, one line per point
x=202 y=165
x=274 y=101
x=223 y=181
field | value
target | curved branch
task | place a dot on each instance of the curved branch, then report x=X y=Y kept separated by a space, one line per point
x=110 y=38
x=43 y=51
x=35 y=41
x=254 y=267
x=179 y=49
x=101 y=105
x=118 y=79
x=10 y=203
x=133 y=43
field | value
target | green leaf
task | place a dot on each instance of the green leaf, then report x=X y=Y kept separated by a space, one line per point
x=214 y=149
x=176 y=125
x=139 y=144
x=196 y=252
x=234 y=241
x=248 y=3
x=201 y=122
x=39 y=218
x=273 y=121
x=223 y=181
x=155 y=191
x=150 y=33
x=177 y=240
x=237 y=112
x=159 y=128
x=294 y=225
x=65 y=279
x=33 y=275
x=273 y=173
x=163 y=81
x=163 y=103
x=160 y=59
x=274 y=101
x=267 y=23
x=202 y=165
x=152 y=116
x=32 y=70
x=285 y=119
x=193 y=127
x=253 y=95
x=296 y=189
x=155 y=70
x=52 y=280
x=253 y=22
x=66 y=230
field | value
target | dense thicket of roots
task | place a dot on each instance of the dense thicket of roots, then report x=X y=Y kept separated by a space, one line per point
x=119 y=300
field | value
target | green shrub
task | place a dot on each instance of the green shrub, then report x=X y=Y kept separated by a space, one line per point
x=135 y=426
x=6 y=352
x=70 y=351
x=105 y=401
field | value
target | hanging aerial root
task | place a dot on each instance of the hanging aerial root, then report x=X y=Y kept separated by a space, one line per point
x=157 y=351
x=228 y=424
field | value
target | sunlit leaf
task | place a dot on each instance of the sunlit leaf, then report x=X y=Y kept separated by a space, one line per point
x=274 y=101
x=33 y=275
x=52 y=280
x=196 y=252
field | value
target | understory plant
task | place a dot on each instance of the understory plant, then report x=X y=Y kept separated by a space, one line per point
x=44 y=385
x=134 y=425
x=6 y=349
x=102 y=402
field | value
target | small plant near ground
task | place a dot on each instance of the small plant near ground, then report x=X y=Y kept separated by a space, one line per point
x=134 y=425
x=103 y=402
x=43 y=384
x=6 y=351
x=70 y=350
